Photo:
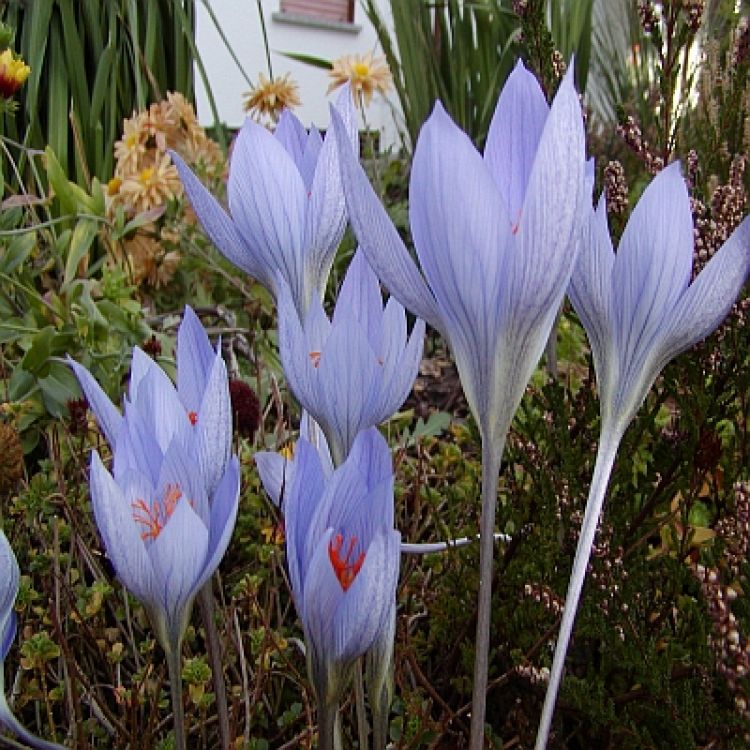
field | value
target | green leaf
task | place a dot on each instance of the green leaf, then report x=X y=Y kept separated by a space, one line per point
x=83 y=235
x=17 y=252
x=316 y=62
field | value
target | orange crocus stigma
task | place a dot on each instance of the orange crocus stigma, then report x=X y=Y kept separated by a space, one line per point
x=315 y=358
x=193 y=417
x=345 y=568
x=154 y=517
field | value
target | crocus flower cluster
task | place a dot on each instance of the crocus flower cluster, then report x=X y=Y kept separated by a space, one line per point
x=172 y=480
x=286 y=203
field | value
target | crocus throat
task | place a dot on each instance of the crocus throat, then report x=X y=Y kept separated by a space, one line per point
x=345 y=568
x=153 y=517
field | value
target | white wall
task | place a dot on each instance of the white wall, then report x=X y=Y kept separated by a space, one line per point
x=240 y=23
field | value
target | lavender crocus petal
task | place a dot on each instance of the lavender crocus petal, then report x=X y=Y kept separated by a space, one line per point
x=591 y=291
x=347 y=384
x=106 y=413
x=393 y=337
x=160 y=408
x=513 y=137
x=310 y=430
x=178 y=556
x=650 y=282
x=178 y=471
x=268 y=200
x=310 y=154
x=137 y=447
x=223 y=518
x=397 y=383
x=708 y=300
x=119 y=531
x=140 y=366
x=195 y=358
x=8 y=634
x=9 y=579
x=219 y=227
x=275 y=472
x=364 y=611
x=291 y=133
x=360 y=296
x=316 y=326
x=447 y=165
x=304 y=493
x=378 y=238
x=372 y=458
x=326 y=209
x=547 y=238
x=293 y=348
x=213 y=428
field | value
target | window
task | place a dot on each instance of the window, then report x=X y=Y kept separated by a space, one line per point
x=341 y=11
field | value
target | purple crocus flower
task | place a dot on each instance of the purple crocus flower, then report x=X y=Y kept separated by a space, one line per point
x=9 y=578
x=495 y=235
x=173 y=479
x=640 y=310
x=353 y=372
x=286 y=203
x=638 y=305
x=343 y=556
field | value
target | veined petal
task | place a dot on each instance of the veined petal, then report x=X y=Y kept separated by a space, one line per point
x=346 y=387
x=178 y=556
x=546 y=242
x=160 y=408
x=291 y=133
x=310 y=430
x=310 y=153
x=275 y=472
x=9 y=579
x=398 y=382
x=120 y=533
x=136 y=447
x=195 y=358
x=326 y=210
x=458 y=224
x=513 y=137
x=371 y=456
x=394 y=334
x=178 y=472
x=107 y=415
x=364 y=610
x=378 y=237
x=224 y=506
x=360 y=297
x=268 y=200
x=591 y=292
x=213 y=428
x=653 y=263
x=708 y=300
x=304 y=494
x=294 y=348
x=221 y=230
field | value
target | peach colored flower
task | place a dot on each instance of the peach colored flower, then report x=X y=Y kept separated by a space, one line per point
x=154 y=185
x=366 y=74
x=270 y=97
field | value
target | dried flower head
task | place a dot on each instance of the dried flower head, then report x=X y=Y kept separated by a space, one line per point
x=154 y=185
x=149 y=261
x=615 y=188
x=367 y=74
x=13 y=73
x=245 y=408
x=79 y=420
x=11 y=458
x=270 y=97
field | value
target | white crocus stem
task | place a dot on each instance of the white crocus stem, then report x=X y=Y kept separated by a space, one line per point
x=605 y=458
x=492 y=453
